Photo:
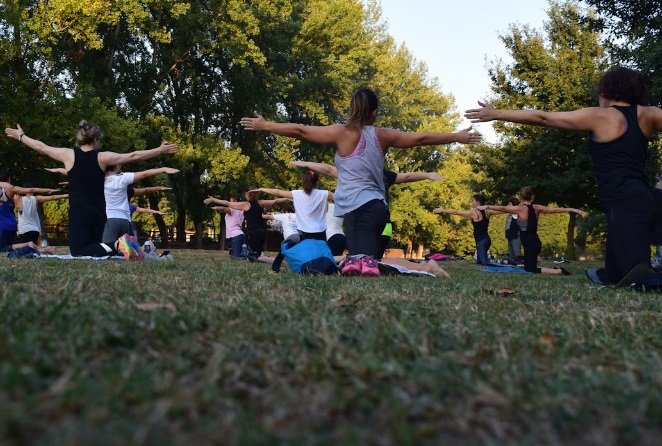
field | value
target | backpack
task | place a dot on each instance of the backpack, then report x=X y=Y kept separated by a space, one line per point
x=309 y=257
x=513 y=230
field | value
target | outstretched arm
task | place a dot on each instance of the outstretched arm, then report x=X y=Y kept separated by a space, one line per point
x=111 y=158
x=276 y=192
x=149 y=211
x=466 y=214
x=61 y=154
x=149 y=190
x=325 y=169
x=240 y=205
x=316 y=134
x=60 y=170
x=548 y=210
x=583 y=119
x=269 y=203
x=410 y=177
x=395 y=138
x=221 y=209
x=137 y=176
x=47 y=198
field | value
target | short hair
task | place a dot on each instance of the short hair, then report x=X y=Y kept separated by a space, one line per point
x=624 y=84
x=513 y=201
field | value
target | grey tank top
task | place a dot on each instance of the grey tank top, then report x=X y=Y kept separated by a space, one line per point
x=360 y=175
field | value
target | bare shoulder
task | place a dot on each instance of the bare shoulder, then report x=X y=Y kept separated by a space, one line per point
x=650 y=118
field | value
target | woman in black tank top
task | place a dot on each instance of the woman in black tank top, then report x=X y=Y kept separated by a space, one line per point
x=480 y=221
x=253 y=209
x=527 y=219
x=85 y=166
x=618 y=141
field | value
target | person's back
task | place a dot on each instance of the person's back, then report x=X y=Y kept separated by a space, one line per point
x=310 y=210
x=86 y=182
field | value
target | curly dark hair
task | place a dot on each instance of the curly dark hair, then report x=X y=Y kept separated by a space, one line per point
x=624 y=84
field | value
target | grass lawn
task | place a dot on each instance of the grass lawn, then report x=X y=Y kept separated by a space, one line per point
x=206 y=350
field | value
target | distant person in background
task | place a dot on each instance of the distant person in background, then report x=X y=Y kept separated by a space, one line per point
x=29 y=223
x=480 y=220
x=512 y=232
x=234 y=223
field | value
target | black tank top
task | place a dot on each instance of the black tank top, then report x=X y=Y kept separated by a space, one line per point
x=532 y=222
x=619 y=164
x=253 y=217
x=86 y=181
x=480 y=227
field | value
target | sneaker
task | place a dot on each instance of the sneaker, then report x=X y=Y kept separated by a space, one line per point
x=273 y=272
x=140 y=254
x=125 y=247
x=352 y=266
x=369 y=267
x=561 y=260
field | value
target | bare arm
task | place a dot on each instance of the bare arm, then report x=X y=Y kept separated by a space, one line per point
x=467 y=214
x=111 y=158
x=323 y=168
x=276 y=192
x=410 y=177
x=32 y=190
x=149 y=211
x=61 y=154
x=149 y=190
x=548 y=210
x=137 y=176
x=221 y=209
x=587 y=119
x=240 y=205
x=395 y=138
x=47 y=198
x=269 y=203
x=60 y=170
x=316 y=134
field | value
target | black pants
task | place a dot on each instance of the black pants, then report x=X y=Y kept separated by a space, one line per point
x=337 y=243
x=364 y=227
x=85 y=230
x=630 y=229
x=255 y=239
x=532 y=247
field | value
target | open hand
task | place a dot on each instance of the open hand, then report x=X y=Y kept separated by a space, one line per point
x=255 y=124
x=483 y=114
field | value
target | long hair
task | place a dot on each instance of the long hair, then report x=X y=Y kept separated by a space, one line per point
x=310 y=181
x=364 y=103
x=624 y=84
x=87 y=133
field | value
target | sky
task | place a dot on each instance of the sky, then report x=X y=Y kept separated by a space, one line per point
x=456 y=38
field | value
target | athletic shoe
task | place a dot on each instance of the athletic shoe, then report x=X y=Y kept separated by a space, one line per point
x=369 y=267
x=140 y=254
x=351 y=266
x=125 y=247
x=561 y=260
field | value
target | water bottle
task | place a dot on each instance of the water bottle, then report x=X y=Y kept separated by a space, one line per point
x=44 y=243
x=244 y=250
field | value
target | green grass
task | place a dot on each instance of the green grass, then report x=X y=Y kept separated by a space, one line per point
x=231 y=355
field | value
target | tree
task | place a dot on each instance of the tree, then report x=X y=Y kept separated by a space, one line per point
x=556 y=71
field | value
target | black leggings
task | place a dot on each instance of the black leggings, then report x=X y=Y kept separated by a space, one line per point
x=532 y=247
x=84 y=231
x=364 y=227
x=255 y=239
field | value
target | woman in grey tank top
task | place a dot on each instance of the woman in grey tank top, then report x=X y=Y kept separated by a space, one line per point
x=360 y=150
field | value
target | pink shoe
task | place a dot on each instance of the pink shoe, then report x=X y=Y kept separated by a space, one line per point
x=369 y=267
x=352 y=266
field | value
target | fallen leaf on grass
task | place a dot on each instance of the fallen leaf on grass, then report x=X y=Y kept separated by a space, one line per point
x=548 y=340
x=340 y=302
x=155 y=306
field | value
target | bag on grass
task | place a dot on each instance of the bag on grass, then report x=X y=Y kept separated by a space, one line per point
x=25 y=252
x=309 y=257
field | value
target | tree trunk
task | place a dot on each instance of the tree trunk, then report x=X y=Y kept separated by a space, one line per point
x=570 y=243
x=199 y=234
x=163 y=228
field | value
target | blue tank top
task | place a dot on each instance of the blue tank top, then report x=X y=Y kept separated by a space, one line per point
x=86 y=180
x=619 y=164
x=7 y=215
x=360 y=175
